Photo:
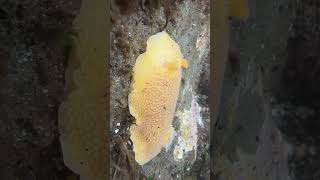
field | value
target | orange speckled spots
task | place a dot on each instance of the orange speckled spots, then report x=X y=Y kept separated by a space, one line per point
x=152 y=101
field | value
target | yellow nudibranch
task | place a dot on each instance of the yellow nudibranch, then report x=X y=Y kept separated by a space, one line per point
x=153 y=98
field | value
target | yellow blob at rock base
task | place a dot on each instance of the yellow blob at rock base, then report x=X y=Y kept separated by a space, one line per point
x=152 y=101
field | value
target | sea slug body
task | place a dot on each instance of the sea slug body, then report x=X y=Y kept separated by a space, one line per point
x=153 y=98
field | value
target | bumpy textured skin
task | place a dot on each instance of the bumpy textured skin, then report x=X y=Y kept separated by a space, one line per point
x=152 y=101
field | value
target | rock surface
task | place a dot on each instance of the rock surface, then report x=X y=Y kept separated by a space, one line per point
x=33 y=48
x=188 y=25
x=270 y=110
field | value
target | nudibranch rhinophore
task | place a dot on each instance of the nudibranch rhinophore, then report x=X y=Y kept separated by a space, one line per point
x=153 y=98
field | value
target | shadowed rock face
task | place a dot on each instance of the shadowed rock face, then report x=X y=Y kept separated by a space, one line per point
x=301 y=76
x=278 y=51
x=300 y=84
x=256 y=124
x=33 y=50
x=302 y=71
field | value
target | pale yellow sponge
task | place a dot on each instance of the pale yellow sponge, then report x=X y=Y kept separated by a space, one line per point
x=152 y=101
